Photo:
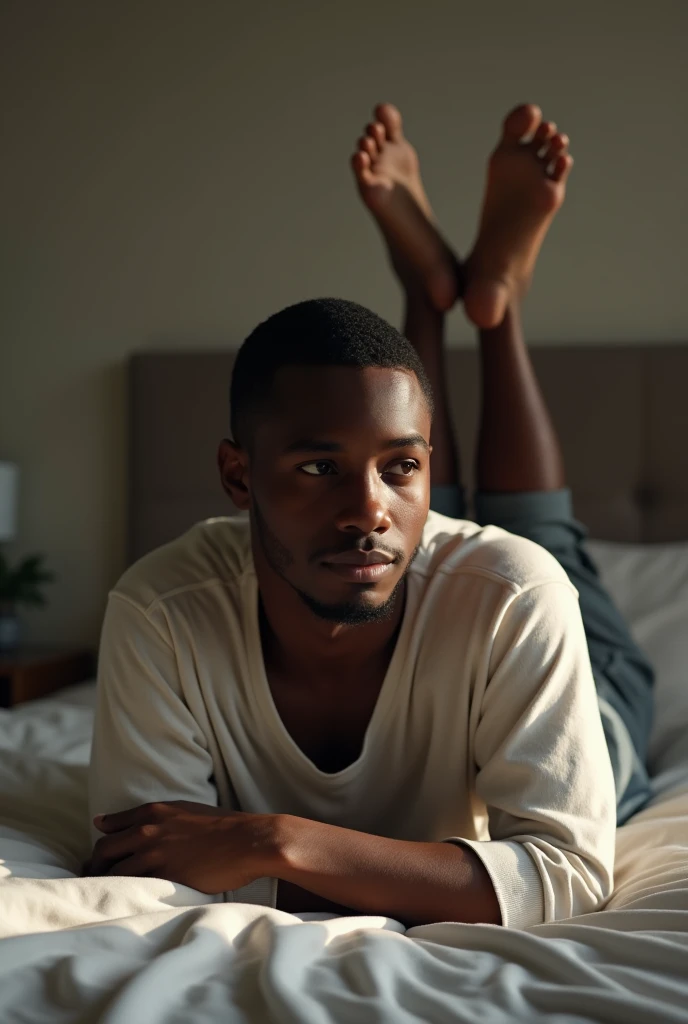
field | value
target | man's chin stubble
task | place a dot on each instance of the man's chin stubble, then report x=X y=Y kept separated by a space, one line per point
x=352 y=613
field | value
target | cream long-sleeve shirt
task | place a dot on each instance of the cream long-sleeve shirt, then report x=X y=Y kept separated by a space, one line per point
x=486 y=730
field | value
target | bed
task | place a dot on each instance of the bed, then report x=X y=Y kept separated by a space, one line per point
x=147 y=950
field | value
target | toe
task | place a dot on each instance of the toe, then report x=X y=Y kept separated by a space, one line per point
x=376 y=131
x=360 y=163
x=369 y=146
x=522 y=122
x=557 y=147
x=562 y=167
x=542 y=136
x=389 y=116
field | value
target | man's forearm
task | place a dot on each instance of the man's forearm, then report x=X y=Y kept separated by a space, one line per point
x=416 y=883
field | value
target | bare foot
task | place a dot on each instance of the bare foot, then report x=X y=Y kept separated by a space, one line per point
x=526 y=183
x=388 y=177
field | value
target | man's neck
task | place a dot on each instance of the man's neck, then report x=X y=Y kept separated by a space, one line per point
x=298 y=642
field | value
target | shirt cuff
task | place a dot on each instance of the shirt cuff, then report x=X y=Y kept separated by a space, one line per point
x=515 y=878
x=263 y=892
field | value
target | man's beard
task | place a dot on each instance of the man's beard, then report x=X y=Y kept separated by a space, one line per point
x=353 y=613
x=345 y=613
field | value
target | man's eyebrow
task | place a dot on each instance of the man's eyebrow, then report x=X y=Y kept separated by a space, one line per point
x=412 y=441
x=311 y=444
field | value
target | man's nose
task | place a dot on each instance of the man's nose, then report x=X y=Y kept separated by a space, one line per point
x=365 y=505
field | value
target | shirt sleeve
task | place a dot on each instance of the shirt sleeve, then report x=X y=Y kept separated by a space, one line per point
x=147 y=745
x=543 y=769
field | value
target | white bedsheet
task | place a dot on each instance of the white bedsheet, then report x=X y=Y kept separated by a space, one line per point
x=143 y=951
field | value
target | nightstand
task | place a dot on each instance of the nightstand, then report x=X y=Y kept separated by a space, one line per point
x=31 y=672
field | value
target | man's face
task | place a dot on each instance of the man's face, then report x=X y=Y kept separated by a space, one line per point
x=338 y=481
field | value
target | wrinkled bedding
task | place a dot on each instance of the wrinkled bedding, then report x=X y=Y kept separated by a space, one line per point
x=125 y=950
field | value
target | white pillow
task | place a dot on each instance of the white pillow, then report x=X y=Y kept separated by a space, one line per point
x=649 y=583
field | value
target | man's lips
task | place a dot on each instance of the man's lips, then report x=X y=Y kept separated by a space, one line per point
x=360 y=566
x=359 y=558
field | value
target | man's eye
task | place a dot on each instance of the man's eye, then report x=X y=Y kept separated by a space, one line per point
x=407 y=467
x=317 y=468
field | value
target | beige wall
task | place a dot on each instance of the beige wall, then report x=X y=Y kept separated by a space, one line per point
x=174 y=171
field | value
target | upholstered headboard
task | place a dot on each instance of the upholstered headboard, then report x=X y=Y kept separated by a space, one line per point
x=621 y=412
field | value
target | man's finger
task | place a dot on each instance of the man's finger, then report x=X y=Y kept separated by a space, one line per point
x=126 y=819
x=111 y=849
x=116 y=822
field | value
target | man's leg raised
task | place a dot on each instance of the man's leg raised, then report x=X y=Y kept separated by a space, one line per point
x=387 y=173
x=521 y=483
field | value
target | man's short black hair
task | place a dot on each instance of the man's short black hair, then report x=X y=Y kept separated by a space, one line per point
x=318 y=332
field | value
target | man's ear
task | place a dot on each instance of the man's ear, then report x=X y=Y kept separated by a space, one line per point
x=232 y=461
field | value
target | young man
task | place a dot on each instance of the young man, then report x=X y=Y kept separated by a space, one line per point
x=347 y=703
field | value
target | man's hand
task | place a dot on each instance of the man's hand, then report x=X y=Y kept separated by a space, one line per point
x=204 y=847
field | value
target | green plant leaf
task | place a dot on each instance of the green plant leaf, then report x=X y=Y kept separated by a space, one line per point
x=21 y=585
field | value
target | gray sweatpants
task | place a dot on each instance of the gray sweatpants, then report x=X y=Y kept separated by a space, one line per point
x=622 y=673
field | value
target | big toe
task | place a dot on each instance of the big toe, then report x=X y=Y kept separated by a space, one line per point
x=390 y=117
x=522 y=122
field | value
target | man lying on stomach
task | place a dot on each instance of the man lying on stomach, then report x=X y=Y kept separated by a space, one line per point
x=347 y=702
